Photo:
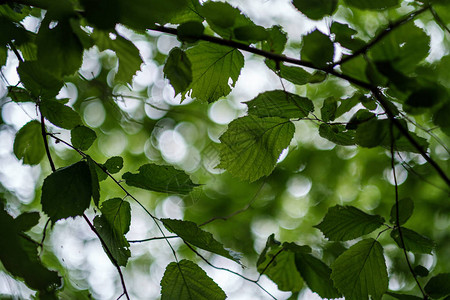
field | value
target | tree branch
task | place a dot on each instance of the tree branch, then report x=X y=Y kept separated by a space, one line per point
x=372 y=88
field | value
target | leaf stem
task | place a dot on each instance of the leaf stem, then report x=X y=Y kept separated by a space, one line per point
x=397 y=214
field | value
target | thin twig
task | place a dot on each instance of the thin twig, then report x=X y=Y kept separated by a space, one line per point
x=438 y=20
x=370 y=87
x=154 y=238
x=230 y=271
x=114 y=261
x=155 y=219
x=397 y=214
x=44 y=234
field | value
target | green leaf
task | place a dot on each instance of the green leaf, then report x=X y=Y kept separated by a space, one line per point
x=59 y=49
x=251 y=146
x=251 y=33
x=82 y=137
x=281 y=104
x=346 y=105
x=127 y=53
x=414 y=241
x=343 y=223
x=213 y=66
x=278 y=263
x=317 y=48
x=104 y=14
x=316 y=10
x=94 y=180
x=426 y=97
x=296 y=75
x=190 y=31
x=316 y=274
x=112 y=226
x=67 y=192
x=164 y=179
x=328 y=110
x=38 y=80
x=372 y=5
x=114 y=240
x=404 y=47
x=18 y=94
x=361 y=271
x=114 y=164
x=276 y=40
x=3 y=56
x=178 y=70
x=118 y=214
x=59 y=114
x=187 y=281
x=29 y=143
x=403 y=144
x=191 y=233
x=437 y=286
x=406 y=206
x=20 y=257
x=441 y=118
x=421 y=271
x=337 y=134
x=144 y=14
x=27 y=220
x=344 y=35
x=220 y=14
x=372 y=133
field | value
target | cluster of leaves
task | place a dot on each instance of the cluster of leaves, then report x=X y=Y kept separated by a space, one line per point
x=390 y=78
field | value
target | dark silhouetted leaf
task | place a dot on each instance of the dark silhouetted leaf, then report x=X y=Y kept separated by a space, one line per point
x=29 y=143
x=344 y=35
x=421 y=271
x=82 y=137
x=343 y=223
x=187 y=281
x=316 y=10
x=251 y=33
x=191 y=233
x=316 y=274
x=59 y=49
x=94 y=180
x=414 y=241
x=114 y=164
x=328 y=110
x=59 y=114
x=164 y=179
x=19 y=256
x=178 y=70
x=361 y=271
x=317 y=48
x=373 y=5
x=276 y=40
x=372 y=133
x=27 y=220
x=251 y=146
x=67 y=192
x=281 y=104
x=438 y=286
x=337 y=134
x=403 y=296
x=190 y=31
x=37 y=80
